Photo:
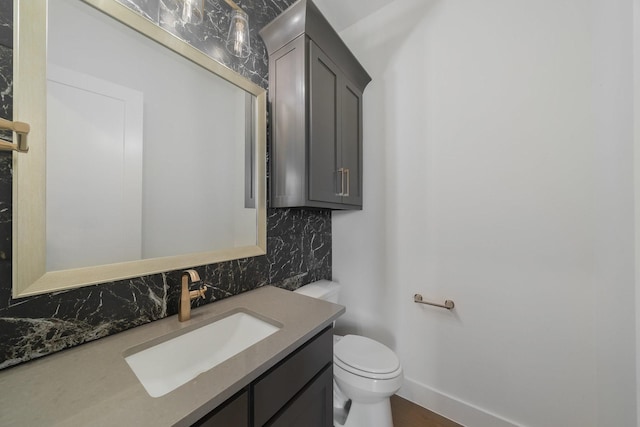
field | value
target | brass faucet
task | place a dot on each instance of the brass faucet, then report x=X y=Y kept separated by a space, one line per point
x=184 y=306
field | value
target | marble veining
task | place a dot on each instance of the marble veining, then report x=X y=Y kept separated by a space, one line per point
x=298 y=240
x=6 y=83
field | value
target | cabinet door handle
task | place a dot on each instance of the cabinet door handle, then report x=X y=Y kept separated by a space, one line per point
x=341 y=172
x=346 y=194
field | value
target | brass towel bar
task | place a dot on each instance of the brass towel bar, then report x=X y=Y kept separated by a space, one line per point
x=21 y=130
x=448 y=304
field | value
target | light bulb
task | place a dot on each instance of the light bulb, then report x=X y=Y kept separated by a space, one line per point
x=238 y=37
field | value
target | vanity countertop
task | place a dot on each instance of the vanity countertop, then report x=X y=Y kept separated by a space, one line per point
x=92 y=384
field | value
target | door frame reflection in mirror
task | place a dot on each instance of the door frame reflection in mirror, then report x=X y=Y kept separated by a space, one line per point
x=29 y=176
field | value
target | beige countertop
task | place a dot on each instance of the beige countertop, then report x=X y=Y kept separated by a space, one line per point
x=93 y=385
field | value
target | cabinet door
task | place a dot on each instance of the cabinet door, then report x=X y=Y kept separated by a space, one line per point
x=351 y=142
x=313 y=407
x=324 y=130
x=234 y=412
x=288 y=120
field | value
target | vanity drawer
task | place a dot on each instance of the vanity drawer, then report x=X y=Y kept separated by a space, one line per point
x=312 y=407
x=279 y=385
x=234 y=412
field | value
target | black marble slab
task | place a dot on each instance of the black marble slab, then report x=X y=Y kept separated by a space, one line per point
x=298 y=241
x=6 y=24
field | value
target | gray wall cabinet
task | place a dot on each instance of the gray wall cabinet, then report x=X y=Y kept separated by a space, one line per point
x=315 y=94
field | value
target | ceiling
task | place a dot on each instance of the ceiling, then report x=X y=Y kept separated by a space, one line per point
x=343 y=13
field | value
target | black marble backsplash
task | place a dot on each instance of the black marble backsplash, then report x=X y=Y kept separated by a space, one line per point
x=298 y=241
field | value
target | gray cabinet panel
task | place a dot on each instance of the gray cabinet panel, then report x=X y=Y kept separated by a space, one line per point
x=352 y=143
x=288 y=120
x=234 y=412
x=324 y=138
x=313 y=407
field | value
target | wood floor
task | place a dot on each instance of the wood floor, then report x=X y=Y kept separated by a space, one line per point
x=408 y=414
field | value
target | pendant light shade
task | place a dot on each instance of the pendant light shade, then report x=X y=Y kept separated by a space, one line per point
x=185 y=11
x=192 y=11
x=238 y=37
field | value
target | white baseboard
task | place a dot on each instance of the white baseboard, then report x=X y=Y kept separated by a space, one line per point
x=449 y=407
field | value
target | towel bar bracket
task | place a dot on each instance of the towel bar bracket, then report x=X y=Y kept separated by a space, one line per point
x=21 y=129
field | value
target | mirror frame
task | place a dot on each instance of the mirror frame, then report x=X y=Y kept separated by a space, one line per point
x=29 y=176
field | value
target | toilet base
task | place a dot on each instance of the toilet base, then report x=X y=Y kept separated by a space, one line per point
x=340 y=415
x=360 y=414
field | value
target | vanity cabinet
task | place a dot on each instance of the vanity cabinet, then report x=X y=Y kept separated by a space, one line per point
x=298 y=391
x=315 y=95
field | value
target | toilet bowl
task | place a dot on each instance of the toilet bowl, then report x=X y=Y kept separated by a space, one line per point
x=368 y=373
x=365 y=372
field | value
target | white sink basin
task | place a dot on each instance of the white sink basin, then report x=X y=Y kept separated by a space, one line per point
x=171 y=363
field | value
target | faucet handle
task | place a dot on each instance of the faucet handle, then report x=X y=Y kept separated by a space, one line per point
x=198 y=293
x=202 y=291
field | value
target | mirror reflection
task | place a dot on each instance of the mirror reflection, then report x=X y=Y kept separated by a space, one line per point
x=145 y=150
x=153 y=162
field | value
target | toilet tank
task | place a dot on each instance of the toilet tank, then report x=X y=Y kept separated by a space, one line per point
x=323 y=289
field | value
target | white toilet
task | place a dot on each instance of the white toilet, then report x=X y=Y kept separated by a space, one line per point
x=365 y=372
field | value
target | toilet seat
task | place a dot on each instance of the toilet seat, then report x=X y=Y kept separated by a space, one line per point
x=365 y=357
x=365 y=374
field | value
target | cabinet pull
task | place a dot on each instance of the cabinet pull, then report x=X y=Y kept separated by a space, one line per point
x=346 y=194
x=341 y=172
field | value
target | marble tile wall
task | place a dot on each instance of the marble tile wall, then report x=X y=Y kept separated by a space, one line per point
x=298 y=241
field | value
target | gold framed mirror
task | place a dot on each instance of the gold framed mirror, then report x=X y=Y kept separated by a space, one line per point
x=49 y=255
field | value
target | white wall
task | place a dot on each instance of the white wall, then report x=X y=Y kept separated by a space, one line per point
x=498 y=173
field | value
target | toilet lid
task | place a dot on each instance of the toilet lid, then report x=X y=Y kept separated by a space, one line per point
x=366 y=355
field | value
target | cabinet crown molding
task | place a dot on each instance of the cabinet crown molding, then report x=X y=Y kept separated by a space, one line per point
x=304 y=17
